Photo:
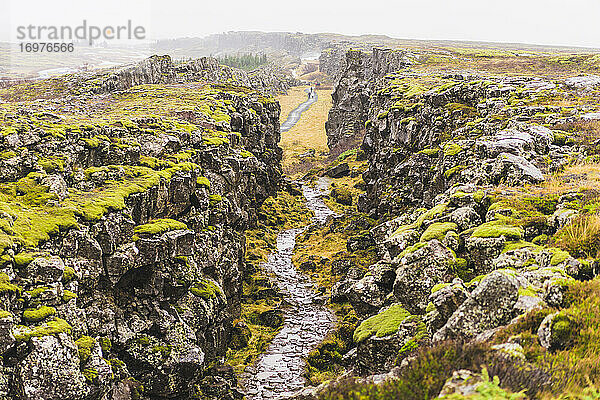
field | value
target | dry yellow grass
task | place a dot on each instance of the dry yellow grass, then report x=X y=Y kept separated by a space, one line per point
x=584 y=176
x=309 y=132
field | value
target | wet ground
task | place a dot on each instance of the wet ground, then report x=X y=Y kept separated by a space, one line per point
x=278 y=372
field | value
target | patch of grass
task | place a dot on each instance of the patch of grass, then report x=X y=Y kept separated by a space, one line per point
x=581 y=237
x=309 y=132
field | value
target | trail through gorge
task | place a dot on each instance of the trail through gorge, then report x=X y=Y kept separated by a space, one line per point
x=278 y=372
x=294 y=116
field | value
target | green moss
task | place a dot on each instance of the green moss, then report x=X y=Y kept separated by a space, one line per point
x=143 y=340
x=412 y=249
x=439 y=286
x=215 y=141
x=39 y=314
x=453 y=171
x=451 y=149
x=68 y=274
x=496 y=229
x=5 y=314
x=431 y=152
x=52 y=164
x=346 y=154
x=105 y=344
x=159 y=226
x=24 y=333
x=519 y=244
x=382 y=324
x=68 y=296
x=528 y=291
x=92 y=206
x=37 y=292
x=90 y=375
x=5 y=155
x=342 y=196
x=438 y=230
x=413 y=342
x=202 y=181
x=91 y=143
x=563 y=328
x=163 y=350
x=23 y=259
x=540 y=239
x=558 y=256
x=478 y=195
x=85 y=344
x=214 y=199
x=6 y=286
x=205 y=289
x=430 y=214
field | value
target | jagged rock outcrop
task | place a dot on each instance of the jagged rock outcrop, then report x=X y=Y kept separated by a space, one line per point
x=355 y=73
x=268 y=79
x=422 y=139
x=123 y=235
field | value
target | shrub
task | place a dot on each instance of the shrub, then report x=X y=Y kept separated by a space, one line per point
x=581 y=238
x=422 y=379
x=342 y=196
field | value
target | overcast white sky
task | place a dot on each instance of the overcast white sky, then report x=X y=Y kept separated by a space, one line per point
x=557 y=22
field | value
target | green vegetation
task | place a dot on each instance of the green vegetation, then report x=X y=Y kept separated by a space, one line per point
x=68 y=274
x=24 y=333
x=246 y=61
x=382 y=324
x=489 y=389
x=39 y=314
x=6 y=286
x=451 y=149
x=85 y=344
x=438 y=230
x=581 y=237
x=430 y=214
x=205 y=289
x=159 y=226
x=277 y=213
x=498 y=228
x=201 y=181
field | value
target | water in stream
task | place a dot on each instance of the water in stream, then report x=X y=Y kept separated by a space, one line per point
x=278 y=372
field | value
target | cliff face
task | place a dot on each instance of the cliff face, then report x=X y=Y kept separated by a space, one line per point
x=470 y=238
x=122 y=234
x=355 y=73
x=428 y=133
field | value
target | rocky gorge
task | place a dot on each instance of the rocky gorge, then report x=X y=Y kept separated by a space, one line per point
x=125 y=197
x=446 y=247
x=467 y=242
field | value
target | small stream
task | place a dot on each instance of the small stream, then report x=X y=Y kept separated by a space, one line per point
x=277 y=373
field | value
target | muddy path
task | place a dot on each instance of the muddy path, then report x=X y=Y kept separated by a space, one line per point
x=278 y=372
